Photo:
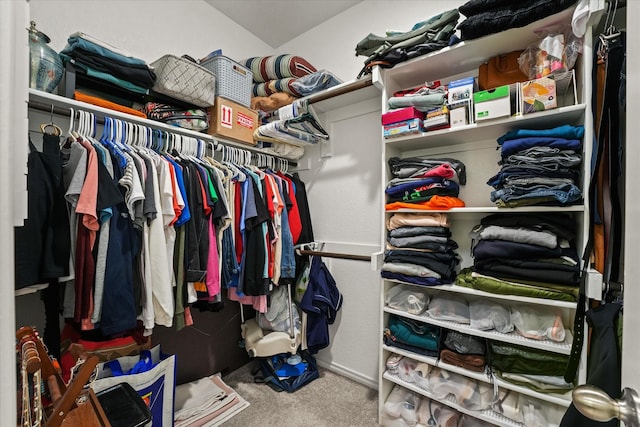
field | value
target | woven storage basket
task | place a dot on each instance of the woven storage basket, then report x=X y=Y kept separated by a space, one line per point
x=233 y=81
x=184 y=80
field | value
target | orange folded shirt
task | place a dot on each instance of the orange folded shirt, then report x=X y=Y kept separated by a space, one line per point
x=434 y=203
x=79 y=96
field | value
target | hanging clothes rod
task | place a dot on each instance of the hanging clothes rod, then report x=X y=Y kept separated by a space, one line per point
x=340 y=90
x=312 y=249
x=54 y=104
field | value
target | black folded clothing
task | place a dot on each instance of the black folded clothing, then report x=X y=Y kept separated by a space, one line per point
x=493 y=16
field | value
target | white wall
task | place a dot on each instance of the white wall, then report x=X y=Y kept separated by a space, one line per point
x=331 y=45
x=344 y=188
x=148 y=29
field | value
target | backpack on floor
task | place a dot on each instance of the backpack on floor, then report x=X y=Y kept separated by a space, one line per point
x=281 y=376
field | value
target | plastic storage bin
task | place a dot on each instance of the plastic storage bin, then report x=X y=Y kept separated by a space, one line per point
x=184 y=80
x=233 y=81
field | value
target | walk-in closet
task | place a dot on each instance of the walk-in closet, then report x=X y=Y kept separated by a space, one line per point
x=449 y=244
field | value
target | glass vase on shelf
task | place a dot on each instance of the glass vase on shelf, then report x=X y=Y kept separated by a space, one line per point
x=45 y=65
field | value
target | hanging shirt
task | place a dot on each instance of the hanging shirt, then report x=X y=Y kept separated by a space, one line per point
x=88 y=226
x=167 y=200
x=159 y=278
x=73 y=172
x=119 y=309
x=185 y=215
x=254 y=277
x=108 y=195
x=295 y=224
x=43 y=244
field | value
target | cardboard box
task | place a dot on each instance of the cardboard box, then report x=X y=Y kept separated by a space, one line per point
x=538 y=95
x=407 y=127
x=437 y=118
x=231 y=120
x=492 y=103
x=459 y=113
x=401 y=114
x=461 y=90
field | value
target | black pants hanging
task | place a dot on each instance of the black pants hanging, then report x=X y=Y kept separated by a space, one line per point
x=604 y=363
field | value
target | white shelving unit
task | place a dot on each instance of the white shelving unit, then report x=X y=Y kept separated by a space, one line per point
x=475 y=145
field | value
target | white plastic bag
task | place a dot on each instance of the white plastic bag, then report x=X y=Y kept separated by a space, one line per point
x=407 y=298
x=451 y=308
x=487 y=315
x=555 y=53
x=538 y=323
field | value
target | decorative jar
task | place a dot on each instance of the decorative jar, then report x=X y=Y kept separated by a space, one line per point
x=45 y=65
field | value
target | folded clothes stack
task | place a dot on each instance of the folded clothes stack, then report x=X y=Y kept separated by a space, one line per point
x=102 y=61
x=420 y=249
x=539 y=167
x=485 y=17
x=531 y=249
x=420 y=183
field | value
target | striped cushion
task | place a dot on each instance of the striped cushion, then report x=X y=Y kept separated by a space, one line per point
x=273 y=86
x=275 y=67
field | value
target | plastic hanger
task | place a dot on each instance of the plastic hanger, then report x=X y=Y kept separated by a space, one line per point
x=71 y=134
x=611 y=33
x=227 y=157
x=107 y=139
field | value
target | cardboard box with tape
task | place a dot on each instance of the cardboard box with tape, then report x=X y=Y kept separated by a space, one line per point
x=231 y=120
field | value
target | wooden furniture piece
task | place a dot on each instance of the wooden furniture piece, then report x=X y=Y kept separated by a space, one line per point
x=70 y=405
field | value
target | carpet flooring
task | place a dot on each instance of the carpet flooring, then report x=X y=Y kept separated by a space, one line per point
x=329 y=401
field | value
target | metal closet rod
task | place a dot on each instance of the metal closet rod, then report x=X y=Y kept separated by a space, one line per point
x=303 y=250
x=65 y=111
x=335 y=255
x=339 y=90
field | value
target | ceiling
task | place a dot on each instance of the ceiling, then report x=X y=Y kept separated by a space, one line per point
x=277 y=21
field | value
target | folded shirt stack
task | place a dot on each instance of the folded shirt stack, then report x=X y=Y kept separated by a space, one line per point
x=535 y=249
x=539 y=167
x=420 y=183
x=102 y=61
x=420 y=249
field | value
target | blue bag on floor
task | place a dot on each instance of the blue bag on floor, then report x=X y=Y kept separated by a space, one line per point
x=281 y=376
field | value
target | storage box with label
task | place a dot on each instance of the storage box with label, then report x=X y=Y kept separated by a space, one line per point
x=232 y=120
x=437 y=118
x=407 y=127
x=459 y=113
x=492 y=103
x=461 y=90
x=538 y=95
x=401 y=114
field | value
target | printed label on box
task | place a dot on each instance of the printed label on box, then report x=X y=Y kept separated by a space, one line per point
x=226 y=116
x=244 y=120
